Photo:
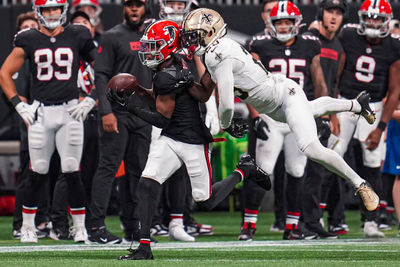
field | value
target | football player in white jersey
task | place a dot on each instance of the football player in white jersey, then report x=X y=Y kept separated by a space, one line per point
x=236 y=72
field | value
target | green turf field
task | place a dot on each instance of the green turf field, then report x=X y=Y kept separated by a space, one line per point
x=221 y=249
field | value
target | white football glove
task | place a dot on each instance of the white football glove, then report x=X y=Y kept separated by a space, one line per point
x=27 y=112
x=212 y=120
x=80 y=111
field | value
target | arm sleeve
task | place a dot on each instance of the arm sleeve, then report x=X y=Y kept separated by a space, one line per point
x=225 y=82
x=103 y=67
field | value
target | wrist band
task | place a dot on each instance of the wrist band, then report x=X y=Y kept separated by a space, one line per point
x=382 y=125
x=15 y=100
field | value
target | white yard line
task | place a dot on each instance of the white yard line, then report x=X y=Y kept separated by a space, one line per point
x=207 y=245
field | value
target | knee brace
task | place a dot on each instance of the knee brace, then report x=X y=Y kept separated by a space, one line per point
x=69 y=164
x=296 y=171
x=40 y=166
x=200 y=195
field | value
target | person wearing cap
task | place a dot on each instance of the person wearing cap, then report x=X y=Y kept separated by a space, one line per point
x=123 y=136
x=93 y=9
x=318 y=183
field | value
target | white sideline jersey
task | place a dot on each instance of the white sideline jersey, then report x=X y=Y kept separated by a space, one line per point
x=232 y=66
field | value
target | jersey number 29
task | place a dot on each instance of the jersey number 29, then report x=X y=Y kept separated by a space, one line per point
x=62 y=57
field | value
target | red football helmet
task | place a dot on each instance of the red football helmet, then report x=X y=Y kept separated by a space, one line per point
x=160 y=39
x=51 y=22
x=94 y=18
x=285 y=10
x=377 y=10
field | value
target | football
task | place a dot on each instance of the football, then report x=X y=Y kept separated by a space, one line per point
x=124 y=84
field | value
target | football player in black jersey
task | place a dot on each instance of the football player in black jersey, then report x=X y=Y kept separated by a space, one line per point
x=177 y=188
x=55 y=118
x=23 y=83
x=317 y=185
x=118 y=53
x=370 y=62
x=297 y=57
x=184 y=138
x=90 y=154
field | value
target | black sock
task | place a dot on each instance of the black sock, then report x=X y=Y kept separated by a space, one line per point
x=76 y=192
x=32 y=189
x=293 y=189
x=221 y=190
x=148 y=190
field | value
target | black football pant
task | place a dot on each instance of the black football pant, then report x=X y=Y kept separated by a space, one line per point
x=131 y=144
x=321 y=186
x=88 y=164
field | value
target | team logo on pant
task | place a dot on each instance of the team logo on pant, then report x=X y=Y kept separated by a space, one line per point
x=292 y=91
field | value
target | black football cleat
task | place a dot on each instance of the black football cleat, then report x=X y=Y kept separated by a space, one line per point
x=363 y=99
x=247 y=232
x=141 y=253
x=297 y=233
x=253 y=172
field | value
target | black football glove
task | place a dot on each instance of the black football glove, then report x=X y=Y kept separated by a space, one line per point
x=184 y=78
x=261 y=128
x=113 y=97
x=238 y=128
x=323 y=128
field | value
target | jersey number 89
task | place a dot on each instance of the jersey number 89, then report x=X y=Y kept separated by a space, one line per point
x=62 y=57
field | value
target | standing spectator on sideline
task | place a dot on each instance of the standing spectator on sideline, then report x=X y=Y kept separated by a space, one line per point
x=23 y=83
x=54 y=119
x=371 y=62
x=386 y=215
x=93 y=9
x=392 y=160
x=118 y=53
x=330 y=16
x=89 y=162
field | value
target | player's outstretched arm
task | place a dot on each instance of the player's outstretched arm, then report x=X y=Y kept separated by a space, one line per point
x=165 y=105
x=225 y=82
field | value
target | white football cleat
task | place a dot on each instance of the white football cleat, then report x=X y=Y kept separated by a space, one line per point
x=368 y=196
x=28 y=235
x=78 y=233
x=176 y=232
x=371 y=230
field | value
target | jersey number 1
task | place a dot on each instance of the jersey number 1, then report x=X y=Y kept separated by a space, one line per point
x=62 y=57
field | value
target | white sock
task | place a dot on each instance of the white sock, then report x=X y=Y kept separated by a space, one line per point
x=78 y=217
x=28 y=216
